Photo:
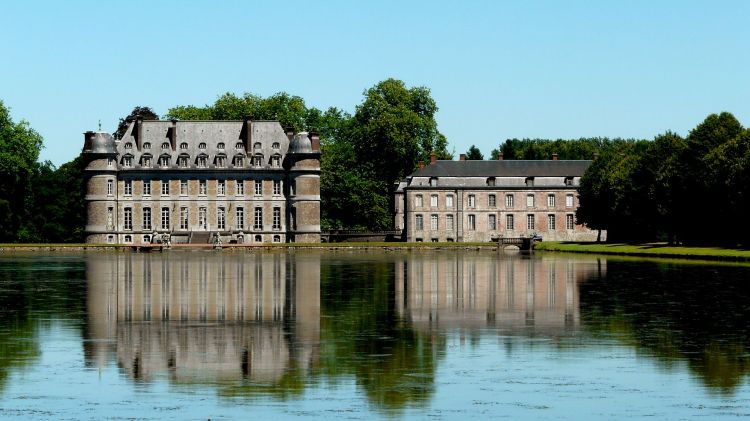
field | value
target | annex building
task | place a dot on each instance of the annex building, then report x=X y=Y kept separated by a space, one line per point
x=201 y=182
x=478 y=201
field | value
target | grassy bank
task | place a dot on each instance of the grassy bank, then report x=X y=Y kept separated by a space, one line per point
x=647 y=250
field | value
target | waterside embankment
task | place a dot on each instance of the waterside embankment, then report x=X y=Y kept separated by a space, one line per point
x=648 y=250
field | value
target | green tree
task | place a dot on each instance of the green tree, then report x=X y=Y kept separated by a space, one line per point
x=145 y=112
x=474 y=154
x=19 y=151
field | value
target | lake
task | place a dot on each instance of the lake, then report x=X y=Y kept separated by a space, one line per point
x=446 y=334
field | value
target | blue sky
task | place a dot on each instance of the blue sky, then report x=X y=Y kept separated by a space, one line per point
x=497 y=69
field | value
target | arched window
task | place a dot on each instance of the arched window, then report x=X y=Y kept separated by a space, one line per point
x=128 y=145
x=239 y=145
x=220 y=145
x=183 y=145
x=202 y=145
x=275 y=145
x=165 y=145
x=257 y=146
x=146 y=145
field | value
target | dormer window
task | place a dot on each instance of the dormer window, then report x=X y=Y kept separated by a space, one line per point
x=128 y=145
x=239 y=145
x=183 y=145
x=275 y=146
x=220 y=145
x=165 y=145
x=529 y=181
x=257 y=146
x=164 y=161
x=568 y=181
x=433 y=181
x=202 y=146
x=182 y=161
x=491 y=181
x=239 y=161
x=276 y=161
x=202 y=161
x=146 y=161
x=221 y=161
x=127 y=161
x=257 y=160
x=146 y=145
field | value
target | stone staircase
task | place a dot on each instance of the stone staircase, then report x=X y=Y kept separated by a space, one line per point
x=199 y=237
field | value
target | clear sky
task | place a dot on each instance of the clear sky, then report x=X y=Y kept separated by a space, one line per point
x=497 y=69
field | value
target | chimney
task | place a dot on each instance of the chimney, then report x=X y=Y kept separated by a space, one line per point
x=174 y=134
x=289 y=132
x=138 y=131
x=554 y=156
x=433 y=158
x=248 y=134
x=462 y=157
x=500 y=157
x=315 y=141
x=421 y=164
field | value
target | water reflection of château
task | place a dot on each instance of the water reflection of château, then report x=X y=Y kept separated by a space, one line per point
x=513 y=293
x=199 y=316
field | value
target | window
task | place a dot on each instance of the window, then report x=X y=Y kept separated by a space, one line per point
x=127 y=161
x=276 y=219
x=202 y=161
x=165 y=145
x=202 y=145
x=275 y=145
x=240 y=214
x=492 y=201
x=472 y=222
x=221 y=161
x=165 y=218
x=146 y=161
x=449 y=222
x=529 y=200
x=147 y=187
x=276 y=238
x=239 y=146
x=202 y=218
x=509 y=201
x=529 y=222
x=221 y=218
x=183 y=145
x=433 y=200
x=568 y=181
x=240 y=187
x=258 y=189
x=491 y=181
x=449 y=201
x=128 y=145
x=276 y=187
x=182 y=161
x=220 y=145
x=258 y=219
x=110 y=187
x=110 y=162
x=128 y=239
x=128 y=187
x=202 y=187
x=147 y=219
x=147 y=145
x=509 y=223
x=569 y=222
x=433 y=222
x=419 y=222
x=529 y=181
x=276 y=161
x=492 y=222
x=183 y=187
x=472 y=201
x=551 y=222
x=165 y=187
x=127 y=220
x=418 y=201
x=569 y=200
x=257 y=160
x=221 y=187
x=110 y=218
x=163 y=161
x=433 y=181
x=257 y=146
x=551 y=200
x=239 y=161
x=184 y=218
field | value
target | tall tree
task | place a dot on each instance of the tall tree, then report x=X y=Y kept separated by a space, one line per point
x=19 y=151
x=145 y=112
x=474 y=154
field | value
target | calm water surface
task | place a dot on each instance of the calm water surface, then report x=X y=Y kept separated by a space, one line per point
x=437 y=335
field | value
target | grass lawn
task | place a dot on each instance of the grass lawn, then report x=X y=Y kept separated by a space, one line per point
x=648 y=249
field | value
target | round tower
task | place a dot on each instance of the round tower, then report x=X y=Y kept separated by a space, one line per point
x=100 y=155
x=303 y=181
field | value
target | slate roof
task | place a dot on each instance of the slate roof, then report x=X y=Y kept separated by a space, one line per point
x=504 y=168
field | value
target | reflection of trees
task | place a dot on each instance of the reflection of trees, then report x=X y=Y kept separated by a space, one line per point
x=692 y=313
x=361 y=335
x=29 y=290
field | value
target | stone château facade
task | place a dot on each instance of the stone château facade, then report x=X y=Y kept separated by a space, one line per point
x=478 y=201
x=202 y=181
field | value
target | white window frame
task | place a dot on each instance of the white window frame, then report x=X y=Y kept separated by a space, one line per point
x=418 y=201
x=183 y=187
x=221 y=218
x=221 y=187
x=184 y=218
x=418 y=222
x=433 y=200
x=551 y=200
x=110 y=187
x=530 y=200
x=165 y=187
x=510 y=222
x=258 y=218
x=434 y=222
x=530 y=221
x=276 y=187
x=240 y=216
x=569 y=200
x=165 y=218
x=239 y=187
x=551 y=222
x=449 y=222
x=492 y=222
x=127 y=219
x=492 y=201
x=146 y=220
x=471 y=224
x=509 y=199
x=570 y=221
x=276 y=218
x=128 y=188
x=258 y=188
x=472 y=201
x=147 y=187
x=449 y=201
x=202 y=187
